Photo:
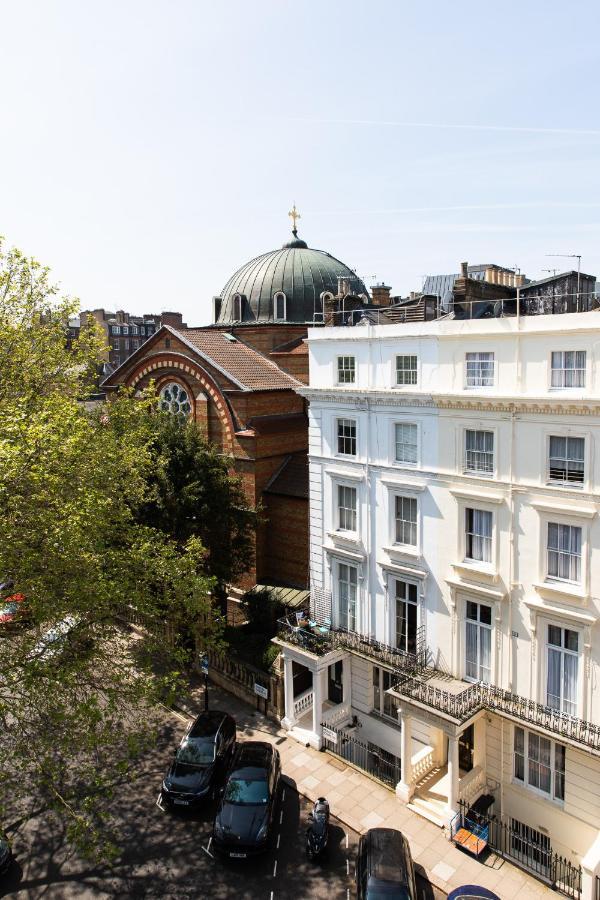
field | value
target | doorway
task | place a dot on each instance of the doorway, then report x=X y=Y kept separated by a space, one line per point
x=465 y=749
x=335 y=686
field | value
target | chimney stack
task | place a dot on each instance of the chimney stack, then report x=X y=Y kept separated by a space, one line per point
x=464 y=270
x=174 y=319
x=380 y=294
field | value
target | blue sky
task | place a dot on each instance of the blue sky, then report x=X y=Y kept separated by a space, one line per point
x=149 y=148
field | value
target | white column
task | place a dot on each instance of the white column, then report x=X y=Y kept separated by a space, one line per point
x=288 y=683
x=405 y=787
x=347 y=681
x=453 y=777
x=317 y=706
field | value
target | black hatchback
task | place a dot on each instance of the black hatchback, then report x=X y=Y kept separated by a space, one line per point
x=245 y=816
x=200 y=761
x=384 y=868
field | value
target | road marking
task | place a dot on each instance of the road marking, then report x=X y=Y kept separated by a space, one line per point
x=281 y=817
x=207 y=851
x=347 y=867
x=346 y=836
x=283 y=795
x=159 y=804
x=271 y=895
x=278 y=839
x=347 y=893
x=209 y=842
x=275 y=869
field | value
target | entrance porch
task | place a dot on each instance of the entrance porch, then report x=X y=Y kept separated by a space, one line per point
x=317 y=692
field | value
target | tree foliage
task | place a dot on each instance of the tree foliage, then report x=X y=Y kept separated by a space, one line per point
x=72 y=480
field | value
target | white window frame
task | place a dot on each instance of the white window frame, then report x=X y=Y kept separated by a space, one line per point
x=479 y=387
x=401 y=463
x=410 y=384
x=338 y=485
x=567 y=435
x=578 y=654
x=380 y=708
x=479 y=625
x=278 y=296
x=125 y=329
x=524 y=781
x=468 y=560
x=410 y=583
x=557 y=579
x=338 y=579
x=341 y=358
x=551 y=370
x=473 y=501
x=475 y=472
x=400 y=545
x=337 y=421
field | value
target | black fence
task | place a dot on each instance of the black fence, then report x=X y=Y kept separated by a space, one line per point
x=528 y=848
x=366 y=756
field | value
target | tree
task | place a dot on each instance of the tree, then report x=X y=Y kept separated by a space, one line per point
x=196 y=495
x=73 y=718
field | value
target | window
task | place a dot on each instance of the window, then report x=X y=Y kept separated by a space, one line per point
x=480 y=370
x=406 y=370
x=406 y=443
x=568 y=369
x=126 y=344
x=566 y=465
x=238 y=307
x=346 y=508
x=116 y=343
x=346 y=437
x=479 y=452
x=539 y=763
x=347 y=588
x=531 y=847
x=406 y=616
x=478 y=534
x=384 y=704
x=564 y=552
x=406 y=521
x=563 y=663
x=173 y=398
x=134 y=329
x=116 y=329
x=346 y=369
x=478 y=642
x=125 y=329
x=279 y=305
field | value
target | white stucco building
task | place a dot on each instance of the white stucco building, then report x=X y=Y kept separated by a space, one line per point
x=452 y=645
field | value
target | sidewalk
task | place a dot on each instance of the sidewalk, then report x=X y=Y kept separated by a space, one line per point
x=362 y=803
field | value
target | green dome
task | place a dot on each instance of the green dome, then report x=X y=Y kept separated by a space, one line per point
x=299 y=272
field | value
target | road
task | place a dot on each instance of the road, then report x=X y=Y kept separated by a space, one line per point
x=168 y=855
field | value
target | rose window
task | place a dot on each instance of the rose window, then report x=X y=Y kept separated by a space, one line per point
x=173 y=398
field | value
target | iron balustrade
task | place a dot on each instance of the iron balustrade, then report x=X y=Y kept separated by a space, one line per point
x=366 y=756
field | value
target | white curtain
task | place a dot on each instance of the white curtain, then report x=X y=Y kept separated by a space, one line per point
x=485 y=654
x=570 y=684
x=471 y=651
x=553 y=692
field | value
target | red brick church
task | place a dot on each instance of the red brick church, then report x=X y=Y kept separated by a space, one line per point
x=237 y=378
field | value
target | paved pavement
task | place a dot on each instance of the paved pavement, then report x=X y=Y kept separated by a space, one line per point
x=361 y=803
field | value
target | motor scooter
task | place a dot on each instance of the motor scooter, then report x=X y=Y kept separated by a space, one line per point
x=317 y=833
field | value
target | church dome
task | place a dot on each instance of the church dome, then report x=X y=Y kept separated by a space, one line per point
x=284 y=286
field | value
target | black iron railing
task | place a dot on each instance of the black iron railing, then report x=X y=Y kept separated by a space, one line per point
x=366 y=756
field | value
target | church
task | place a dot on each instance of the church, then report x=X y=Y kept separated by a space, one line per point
x=238 y=377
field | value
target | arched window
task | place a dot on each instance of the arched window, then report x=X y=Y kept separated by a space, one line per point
x=173 y=398
x=238 y=307
x=279 y=303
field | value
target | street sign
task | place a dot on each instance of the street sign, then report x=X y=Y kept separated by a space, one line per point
x=204 y=665
x=329 y=734
x=261 y=691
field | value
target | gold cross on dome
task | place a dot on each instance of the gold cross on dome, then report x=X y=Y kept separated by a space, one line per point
x=294 y=216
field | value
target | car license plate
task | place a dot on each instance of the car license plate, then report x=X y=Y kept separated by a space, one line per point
x=238 y=855
x=181 y=802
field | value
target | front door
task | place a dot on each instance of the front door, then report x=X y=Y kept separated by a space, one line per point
x=465 y=750
x=335 y=692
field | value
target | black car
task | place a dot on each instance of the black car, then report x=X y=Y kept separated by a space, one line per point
x=5 y=854
x=200 y=761
x=384 y=867
x=246 y=812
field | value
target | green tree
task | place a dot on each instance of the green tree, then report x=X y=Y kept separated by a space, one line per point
x=194 y=494
x=74 y=717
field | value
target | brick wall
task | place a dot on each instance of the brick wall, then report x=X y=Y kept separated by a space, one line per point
x=286 y=552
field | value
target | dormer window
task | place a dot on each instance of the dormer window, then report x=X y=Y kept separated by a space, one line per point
x=279 y=303
x=238 y=307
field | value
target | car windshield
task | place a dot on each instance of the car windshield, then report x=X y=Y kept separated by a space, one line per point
x=247 y=793
x=384 y=891
x=196 y=753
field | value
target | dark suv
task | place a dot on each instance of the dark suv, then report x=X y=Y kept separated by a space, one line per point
x=384 y=868
x=246 y=812
x=200 y=761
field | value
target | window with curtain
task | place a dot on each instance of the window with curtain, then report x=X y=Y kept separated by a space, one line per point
x=478 y=642
x=406 y=521
x=480 y=370
x=406 y=443
x=479 y=451
x=406 y=616
x=568 y=369
x=347 y=589
x=478 y=535
x=566 y=463
x=563 y=666
x=346 y=508
x=346 y=437
x=564 y=552
x=539 y=763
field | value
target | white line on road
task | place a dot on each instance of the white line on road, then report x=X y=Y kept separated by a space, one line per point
x=207 y=851
x=209 y=841
x=281 y=817
x=346 y=836
x=271 y=895
x=347 y=893
x=159 y=804
x=347 y=867
x=278 y=839
x=275 y=869
x=283 y=795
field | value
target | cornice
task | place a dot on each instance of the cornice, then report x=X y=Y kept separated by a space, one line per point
x=536 y=405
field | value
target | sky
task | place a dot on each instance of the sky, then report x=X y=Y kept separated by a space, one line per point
x=148 y=149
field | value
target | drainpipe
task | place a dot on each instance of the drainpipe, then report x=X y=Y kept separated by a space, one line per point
x=368 y=483
x=512 y=551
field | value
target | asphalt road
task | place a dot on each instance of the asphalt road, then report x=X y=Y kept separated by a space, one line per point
x=168 y=855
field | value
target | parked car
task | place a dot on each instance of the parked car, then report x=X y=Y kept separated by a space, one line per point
x=246 y=811
x=5 y=854
x=14 y=611
x=472 y=892
x=384 y=867
x=201 y=760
